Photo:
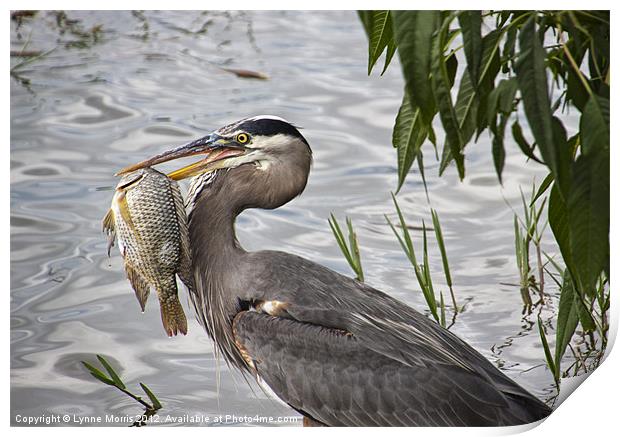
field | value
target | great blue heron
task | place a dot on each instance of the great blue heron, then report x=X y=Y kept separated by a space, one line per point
x=336 y=350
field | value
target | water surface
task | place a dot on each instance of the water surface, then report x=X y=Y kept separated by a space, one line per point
x=149 y=81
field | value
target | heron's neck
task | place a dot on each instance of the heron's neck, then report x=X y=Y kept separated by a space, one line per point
x=212 y=231
x=217 y=258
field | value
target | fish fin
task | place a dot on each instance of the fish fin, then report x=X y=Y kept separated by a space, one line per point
x=108 y=222
x=109 y=227
x=123 y=208
x=139 y=285
x=172 y=314
x=185 y=270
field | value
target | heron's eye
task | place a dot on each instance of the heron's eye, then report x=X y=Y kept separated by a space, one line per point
x=242 y=138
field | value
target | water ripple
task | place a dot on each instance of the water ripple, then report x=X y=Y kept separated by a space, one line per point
x=91 y=111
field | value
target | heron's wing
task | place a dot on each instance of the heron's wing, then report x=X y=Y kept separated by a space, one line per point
x=329 y=375
x=396 y=331
x=400 y=333
x=381 y=322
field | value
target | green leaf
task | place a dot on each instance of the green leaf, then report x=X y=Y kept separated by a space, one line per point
x=379 y=36
x=156 y=404
x=446 y=158
x=413 y=32
x=509 y=49
x=447 y=113
x=391 y=49
x=98 y=374
x=588 y=214
x=528 y=150
x=489 y=66
x=408 y=136
x=499 y=153
x=567 y=319
x=366 y=19
x=488 y=71
x=532 y=79
x=452 y=64
x=420 y=159
x=594 y=126
x=471 y=24
x=432 y=138
x=501 y=99
x=505 y=102
x=558 y=220
x=111 y=372
x=583 y=311
x=466 y=107
x=576 y=93
x=543 y=188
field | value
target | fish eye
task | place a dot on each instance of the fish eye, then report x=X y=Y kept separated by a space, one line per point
x=242 y=138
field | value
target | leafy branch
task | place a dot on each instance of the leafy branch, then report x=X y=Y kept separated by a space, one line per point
x=509 y=72
x=114 y=380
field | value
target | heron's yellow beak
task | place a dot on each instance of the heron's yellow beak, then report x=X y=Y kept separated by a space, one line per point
x=214 y=147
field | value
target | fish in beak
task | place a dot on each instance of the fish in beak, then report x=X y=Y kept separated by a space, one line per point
x=214 y=149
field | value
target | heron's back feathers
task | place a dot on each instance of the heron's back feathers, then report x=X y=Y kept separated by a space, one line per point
x=345 y=353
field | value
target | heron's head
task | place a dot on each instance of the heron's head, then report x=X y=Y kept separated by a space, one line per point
x=267 y=157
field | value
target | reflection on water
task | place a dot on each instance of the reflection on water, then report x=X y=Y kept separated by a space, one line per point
x=151 y=80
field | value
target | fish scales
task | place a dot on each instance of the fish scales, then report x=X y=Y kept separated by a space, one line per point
x=148 y=219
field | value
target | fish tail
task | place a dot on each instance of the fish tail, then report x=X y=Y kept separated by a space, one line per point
x=172 y=314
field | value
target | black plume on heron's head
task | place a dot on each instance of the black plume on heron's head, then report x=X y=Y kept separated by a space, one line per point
x=266 y=126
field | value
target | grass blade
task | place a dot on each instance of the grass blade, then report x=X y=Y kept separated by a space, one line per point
x=442 y=306
x=355 y=251
x=548 y=355
x=444 y=256
x=156 y=404
x=352 y=254
x=428 y=290
x=111 y=372
x=406 y=235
